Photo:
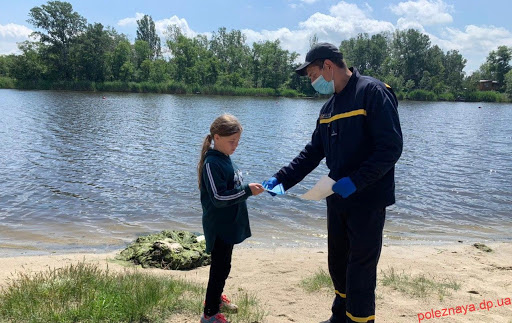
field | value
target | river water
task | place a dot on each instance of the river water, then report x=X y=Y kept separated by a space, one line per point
x=83 y=173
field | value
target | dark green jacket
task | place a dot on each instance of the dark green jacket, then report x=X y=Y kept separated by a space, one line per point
x=223 y=196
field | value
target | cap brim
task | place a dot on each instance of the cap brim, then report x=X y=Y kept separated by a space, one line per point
x=301 y=70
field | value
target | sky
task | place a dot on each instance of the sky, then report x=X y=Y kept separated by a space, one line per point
x=473 y=27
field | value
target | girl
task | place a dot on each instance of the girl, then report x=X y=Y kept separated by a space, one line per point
x=225 y=218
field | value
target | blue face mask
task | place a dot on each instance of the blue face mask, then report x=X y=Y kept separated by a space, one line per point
x=322 y=86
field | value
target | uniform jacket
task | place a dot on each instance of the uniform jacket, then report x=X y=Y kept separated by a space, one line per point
x=358 y=132
x=223 y=197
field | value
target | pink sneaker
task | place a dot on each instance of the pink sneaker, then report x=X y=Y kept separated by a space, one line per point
x=226 y=304
x=217 y=318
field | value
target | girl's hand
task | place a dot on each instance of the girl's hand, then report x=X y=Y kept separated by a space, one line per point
x=256 y=188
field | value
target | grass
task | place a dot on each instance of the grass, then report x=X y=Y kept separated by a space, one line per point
x=6 y=83
x=319 y=281
x=85 y=293
x=419 y=286
x=249 y=310
x=169 y=87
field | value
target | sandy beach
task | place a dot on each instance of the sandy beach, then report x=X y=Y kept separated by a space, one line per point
x=274 y=275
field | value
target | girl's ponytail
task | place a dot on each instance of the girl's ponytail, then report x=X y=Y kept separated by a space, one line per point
x=207 y=142
x=225 y=125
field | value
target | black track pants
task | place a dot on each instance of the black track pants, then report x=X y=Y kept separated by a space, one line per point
x=219 y=272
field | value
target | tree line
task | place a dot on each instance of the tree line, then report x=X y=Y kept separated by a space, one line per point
x=69 y=53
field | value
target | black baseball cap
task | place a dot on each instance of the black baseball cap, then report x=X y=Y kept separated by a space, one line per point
x=319 y=51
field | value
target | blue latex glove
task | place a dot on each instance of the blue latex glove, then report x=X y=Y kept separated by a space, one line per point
x=269 y=184
x=344 y=187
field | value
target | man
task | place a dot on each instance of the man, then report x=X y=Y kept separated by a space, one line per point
x=358 y=132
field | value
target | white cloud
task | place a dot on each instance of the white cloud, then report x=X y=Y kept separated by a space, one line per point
x=474 y=42
x=13 y=31
x=340 y=25
x=404 y=24
x=424 y=12
x=162 y=25
x=130 y=21
x=7 y=48
x=294 y=4
x=334 y=27
x=10 y=35
x=479 y=38
x=348 y=11
x=291 y=40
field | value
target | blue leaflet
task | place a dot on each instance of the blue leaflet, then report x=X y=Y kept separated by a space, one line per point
x=278 y=189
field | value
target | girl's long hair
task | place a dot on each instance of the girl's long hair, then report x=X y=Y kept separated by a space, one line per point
x=224 y=126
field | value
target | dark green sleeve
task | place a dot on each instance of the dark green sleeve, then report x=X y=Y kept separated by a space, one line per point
x=216 y=186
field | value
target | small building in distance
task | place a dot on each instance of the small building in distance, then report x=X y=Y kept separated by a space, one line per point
x=487 y=85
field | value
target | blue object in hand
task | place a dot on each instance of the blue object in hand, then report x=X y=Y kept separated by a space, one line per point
x=344 y=187
x=269 y=184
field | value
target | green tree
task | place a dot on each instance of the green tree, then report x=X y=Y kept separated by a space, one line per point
x=508 y=84
x=121 y=57
x=127 y=71
x=453 y=76
x=233 y=55
x=89 y=53
x=144 y=70
x=409 y=55
x=159 y=71
x=29 y=65
x=60 y=27
x=6 y=64
x=142 y=51
x=185 y=52
x=272 y=66
x=366 y=53
x=470 y=83
x=146 y=31
x=433 y=71
x=300 y=84
x=499 y=64
x=396 y=82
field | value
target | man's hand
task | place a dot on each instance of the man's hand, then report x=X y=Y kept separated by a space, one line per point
x=344 y=187
x=270 y=184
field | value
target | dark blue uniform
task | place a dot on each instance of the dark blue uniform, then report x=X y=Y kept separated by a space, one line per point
x=358 y=132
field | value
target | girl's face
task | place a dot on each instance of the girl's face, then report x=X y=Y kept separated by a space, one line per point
x=227 y=144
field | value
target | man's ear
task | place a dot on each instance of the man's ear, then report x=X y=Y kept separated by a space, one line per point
x=328 y=63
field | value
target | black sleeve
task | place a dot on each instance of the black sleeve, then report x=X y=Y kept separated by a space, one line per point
x=307 y=160
x=386 y=135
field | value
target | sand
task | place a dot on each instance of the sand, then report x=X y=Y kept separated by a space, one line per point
x=273 y=276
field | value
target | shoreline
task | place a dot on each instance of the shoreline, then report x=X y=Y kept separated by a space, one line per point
x=8 y=250
x=273 y=275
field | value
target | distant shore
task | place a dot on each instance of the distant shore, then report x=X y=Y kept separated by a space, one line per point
x=274 y=276
x=180 y=88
